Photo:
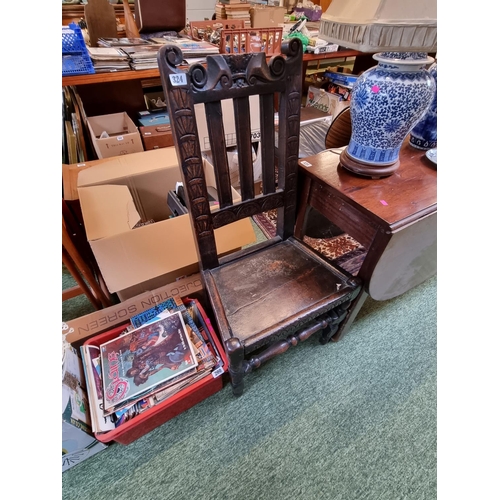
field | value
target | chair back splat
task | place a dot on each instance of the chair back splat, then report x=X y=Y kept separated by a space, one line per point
x=274 y=294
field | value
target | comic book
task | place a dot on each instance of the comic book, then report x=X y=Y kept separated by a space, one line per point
x=135 y=363
x=202 y=350
x=92 y=365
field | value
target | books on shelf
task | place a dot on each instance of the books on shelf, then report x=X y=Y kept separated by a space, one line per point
x=108 y=59
x=142 y=57
x=220 y=11
x=121 y=42
x=191 y=48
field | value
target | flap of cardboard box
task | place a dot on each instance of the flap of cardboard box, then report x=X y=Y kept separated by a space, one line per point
x=126 y=257
x=107 y=210
x=115 y=123
x=124 y=166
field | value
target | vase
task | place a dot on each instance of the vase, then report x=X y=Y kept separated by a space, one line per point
x=386 y=103
x=424 y=134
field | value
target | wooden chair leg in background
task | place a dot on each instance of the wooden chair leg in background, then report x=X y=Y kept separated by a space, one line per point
x=82 y=273
x=81 y=287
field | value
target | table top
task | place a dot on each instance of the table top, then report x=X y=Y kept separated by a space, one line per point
x=405 y=196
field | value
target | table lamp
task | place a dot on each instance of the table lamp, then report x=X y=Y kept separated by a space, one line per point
x=390 y=98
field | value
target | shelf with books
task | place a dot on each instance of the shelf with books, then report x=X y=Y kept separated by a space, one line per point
x=154 y=73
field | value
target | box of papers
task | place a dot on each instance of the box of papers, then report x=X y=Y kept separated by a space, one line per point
x=211 y=382
x=114 y=135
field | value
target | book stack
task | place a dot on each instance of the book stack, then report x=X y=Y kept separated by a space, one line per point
x=239 y=10
x=220 y=11
x=106 y=59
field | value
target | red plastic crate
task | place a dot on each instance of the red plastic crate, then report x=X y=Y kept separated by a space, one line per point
x=171 y=407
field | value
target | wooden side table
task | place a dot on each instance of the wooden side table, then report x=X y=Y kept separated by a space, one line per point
x=394 y=218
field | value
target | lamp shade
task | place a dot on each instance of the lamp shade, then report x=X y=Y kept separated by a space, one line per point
x=381 y=25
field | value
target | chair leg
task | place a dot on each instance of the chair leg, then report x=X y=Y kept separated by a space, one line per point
x=82 y=286
x=84 y=269
x=235 y=354
x=336 y=316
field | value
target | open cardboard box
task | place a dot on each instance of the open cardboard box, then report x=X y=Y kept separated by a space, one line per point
x=116 y=196
x=124 y=137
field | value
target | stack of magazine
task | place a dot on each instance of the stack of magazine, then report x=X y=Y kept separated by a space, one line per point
x=142 y=56
x=161 y=352
x=106 y=59
x=121 y=42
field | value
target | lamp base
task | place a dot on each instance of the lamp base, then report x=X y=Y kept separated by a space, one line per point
x=366 y=170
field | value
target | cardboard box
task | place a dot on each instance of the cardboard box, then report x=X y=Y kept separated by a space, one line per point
x=81 y=328
x=78 y=442
x=116 y=196
x=124 y=137
x=70 y=176
x=176 y=404
x=228 y=120
x=332 y=104
x=267 y=17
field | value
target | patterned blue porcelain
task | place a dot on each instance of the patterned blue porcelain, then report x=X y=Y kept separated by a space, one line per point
x=386 y=103
x=424 y=134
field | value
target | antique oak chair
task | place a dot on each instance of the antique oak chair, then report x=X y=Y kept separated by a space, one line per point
x=279 y=292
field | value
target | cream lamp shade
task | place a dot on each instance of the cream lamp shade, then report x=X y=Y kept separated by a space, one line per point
x=381 y=25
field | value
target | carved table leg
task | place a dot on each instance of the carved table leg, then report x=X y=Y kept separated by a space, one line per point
x=235 y=354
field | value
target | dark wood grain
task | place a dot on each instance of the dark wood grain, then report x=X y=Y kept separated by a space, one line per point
x=406 y=195
x=273 y=295
x=100 y=19
x=392 y=217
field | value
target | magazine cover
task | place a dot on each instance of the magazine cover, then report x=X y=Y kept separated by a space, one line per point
x=144 y=358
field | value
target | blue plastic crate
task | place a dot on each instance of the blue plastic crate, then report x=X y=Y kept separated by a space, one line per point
x=75 y=57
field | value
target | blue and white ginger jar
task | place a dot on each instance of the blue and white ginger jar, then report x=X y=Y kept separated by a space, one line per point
x=386 y=103
x=424 y=134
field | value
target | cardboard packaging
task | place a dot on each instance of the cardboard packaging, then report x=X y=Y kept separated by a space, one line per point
x=262 y=16
x=156 y=136
x=228 y=120
x=332 y=104
x=176 y=404
x=79 y=329
x=78 y=442
x=117 y=197
x=124 y=137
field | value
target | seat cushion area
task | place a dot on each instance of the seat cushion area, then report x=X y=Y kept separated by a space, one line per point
x=266 y=293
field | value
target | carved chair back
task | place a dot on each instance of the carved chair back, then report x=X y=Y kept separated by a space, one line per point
x=277 y=293
x=236 y=77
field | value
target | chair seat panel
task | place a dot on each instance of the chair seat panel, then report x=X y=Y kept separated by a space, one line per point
x=274 y=289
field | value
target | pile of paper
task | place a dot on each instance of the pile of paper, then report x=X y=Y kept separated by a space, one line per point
x=105 y=59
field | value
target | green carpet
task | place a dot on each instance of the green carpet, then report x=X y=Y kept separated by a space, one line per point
x=351 y=420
